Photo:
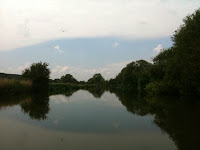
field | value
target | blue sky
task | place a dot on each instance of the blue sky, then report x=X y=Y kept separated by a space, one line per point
x=99 y=36
x=82 y=57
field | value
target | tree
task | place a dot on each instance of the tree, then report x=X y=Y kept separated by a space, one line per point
x=135 y=76
x=38 y=73
x=68 y=78
x=176 y=70
x=187 y=51
x=96 y=79
x=160 y=63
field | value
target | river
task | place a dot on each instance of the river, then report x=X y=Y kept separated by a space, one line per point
x=98 y=121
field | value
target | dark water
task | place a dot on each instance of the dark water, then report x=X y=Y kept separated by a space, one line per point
x=98 y=121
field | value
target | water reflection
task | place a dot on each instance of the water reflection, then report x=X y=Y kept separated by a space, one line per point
x=97 y=92
x=178 y=117
x=82 y=112
x=10 y=101
x=134 y=103
x=37 y=107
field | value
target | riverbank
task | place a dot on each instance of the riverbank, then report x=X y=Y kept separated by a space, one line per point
x=15 y=87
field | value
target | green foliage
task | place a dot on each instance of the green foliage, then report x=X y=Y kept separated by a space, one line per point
x=68 y=78
x=58 y=88
x=96 y=79
x=174 y=71
x=38 y=73
x=135 y=76
x=187 y=51
x=161 y=88
x=160 y=63
x=177 y=70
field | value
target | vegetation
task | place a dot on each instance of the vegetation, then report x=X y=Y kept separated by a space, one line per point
x=179 y=66
x=10 y=76
x=38 y=73
x=174 y=71
x=32 y=79
x=96 y=79
x=135 y=76
x=68 y=78
x=58 y=88
x=12 y=87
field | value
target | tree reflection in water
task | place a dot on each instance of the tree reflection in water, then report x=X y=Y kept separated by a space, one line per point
x=97 y=92
x=178 y=117
x=38 y=107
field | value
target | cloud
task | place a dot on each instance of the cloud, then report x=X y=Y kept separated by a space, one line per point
x=17 y=70
x=58 y=49
x=26 y=65
x=59 y=69
x=28 y=22
x=80 y=73
x=158 y=49
x=83 y=73
x=115 y=44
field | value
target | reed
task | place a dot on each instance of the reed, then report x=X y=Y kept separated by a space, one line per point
x=13 y=87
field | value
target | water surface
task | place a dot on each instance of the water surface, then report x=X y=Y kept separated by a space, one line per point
x=83 y=120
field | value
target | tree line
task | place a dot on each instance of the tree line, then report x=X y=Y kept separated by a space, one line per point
x=174 y=71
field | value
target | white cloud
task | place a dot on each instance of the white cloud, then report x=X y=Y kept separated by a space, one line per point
x=82 y=73
x=158 y=49
x=17 y=70
x=115 y=44
x=59 y=69
x=27 y=22
x=58 y=49
x=26 y=65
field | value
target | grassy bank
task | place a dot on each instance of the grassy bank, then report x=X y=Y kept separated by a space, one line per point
x=14 y=87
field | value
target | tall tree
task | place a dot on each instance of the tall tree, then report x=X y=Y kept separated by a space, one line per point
x=186 y=62
x=68 y=78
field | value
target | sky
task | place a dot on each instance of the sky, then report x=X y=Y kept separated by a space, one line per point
x=84 y=37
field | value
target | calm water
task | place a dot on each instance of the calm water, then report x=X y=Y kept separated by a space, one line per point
x=98 y=121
